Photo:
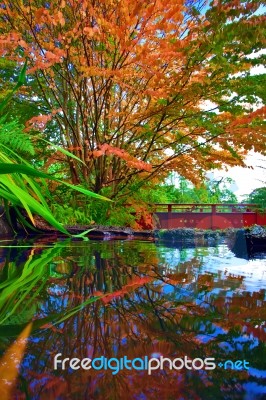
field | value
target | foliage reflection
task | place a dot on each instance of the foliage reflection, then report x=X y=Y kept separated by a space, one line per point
x=134 y=299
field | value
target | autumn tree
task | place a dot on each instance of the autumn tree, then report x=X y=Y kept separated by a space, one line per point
x=138 y=88
x=258 y=196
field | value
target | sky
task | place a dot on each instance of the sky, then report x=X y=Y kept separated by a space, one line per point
x=245 y=179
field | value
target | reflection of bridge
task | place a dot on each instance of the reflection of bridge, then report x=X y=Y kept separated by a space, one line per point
x=208 y=216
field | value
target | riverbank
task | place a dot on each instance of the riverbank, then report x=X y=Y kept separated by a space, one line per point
x=242 y=242
x=102 y=231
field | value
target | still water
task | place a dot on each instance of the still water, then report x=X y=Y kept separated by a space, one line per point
x=131 y=300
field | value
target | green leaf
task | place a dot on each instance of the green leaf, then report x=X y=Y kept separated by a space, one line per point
x=10 y=168
x=21 y=81
x=84 y=191
x=67 y=153
x=22 y=75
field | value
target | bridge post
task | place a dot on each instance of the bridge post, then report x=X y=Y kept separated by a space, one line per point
x=213 y=215
x=169 y=219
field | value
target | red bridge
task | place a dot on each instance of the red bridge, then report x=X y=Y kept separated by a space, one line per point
x=207 y=216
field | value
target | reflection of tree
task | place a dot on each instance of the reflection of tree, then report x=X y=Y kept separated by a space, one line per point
x=147 y=307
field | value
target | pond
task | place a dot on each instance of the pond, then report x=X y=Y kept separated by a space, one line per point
x=128 y=319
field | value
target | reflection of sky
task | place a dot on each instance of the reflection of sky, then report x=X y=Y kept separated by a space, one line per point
x=254 y=391
x=216 y=330
x=222 y=262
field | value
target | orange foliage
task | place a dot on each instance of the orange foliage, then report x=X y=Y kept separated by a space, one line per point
x=131 y=161
x=132 y=79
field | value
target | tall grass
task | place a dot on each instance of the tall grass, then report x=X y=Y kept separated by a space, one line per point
x=19 y=187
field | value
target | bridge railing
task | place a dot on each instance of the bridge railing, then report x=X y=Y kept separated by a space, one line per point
x=204 y=208
x=208 y=216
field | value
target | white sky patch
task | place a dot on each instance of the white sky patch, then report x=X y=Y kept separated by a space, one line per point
x=208 y=105
x=246 y=179
x=258 y=70
x=257 y=53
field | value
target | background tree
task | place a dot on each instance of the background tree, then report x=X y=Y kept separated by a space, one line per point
x=127 y=84
x=182 y=191
x=258 y=196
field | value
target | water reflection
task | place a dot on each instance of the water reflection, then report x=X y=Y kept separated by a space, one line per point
x=134 y=299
